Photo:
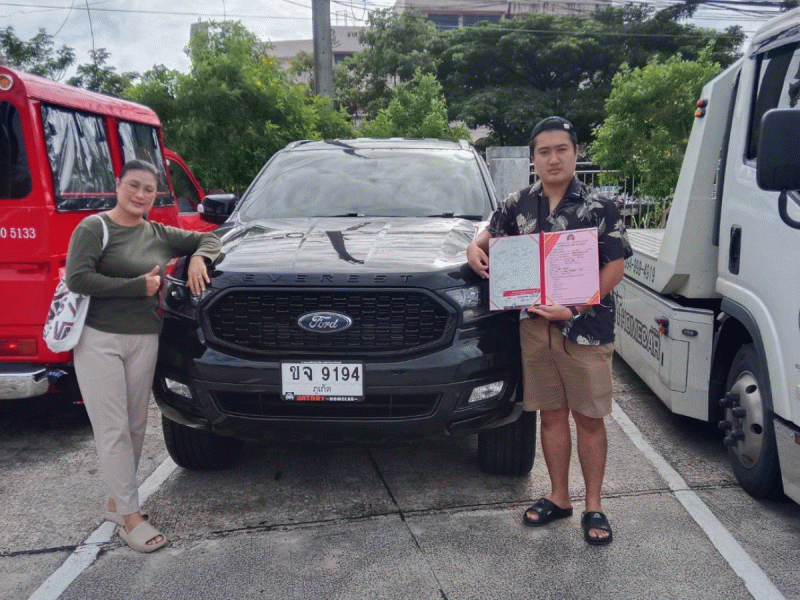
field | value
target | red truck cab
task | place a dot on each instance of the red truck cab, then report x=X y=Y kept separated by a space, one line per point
x=60 y=150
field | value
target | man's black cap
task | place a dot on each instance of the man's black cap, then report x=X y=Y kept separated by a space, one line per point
x=554 y=124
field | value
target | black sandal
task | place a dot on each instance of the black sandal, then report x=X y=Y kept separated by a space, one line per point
x=596 y=520
x=547 y=510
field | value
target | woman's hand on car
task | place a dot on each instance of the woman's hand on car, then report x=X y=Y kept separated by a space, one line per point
x=198 y=278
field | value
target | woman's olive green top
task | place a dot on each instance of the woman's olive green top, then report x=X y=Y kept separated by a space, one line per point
x=115 y=277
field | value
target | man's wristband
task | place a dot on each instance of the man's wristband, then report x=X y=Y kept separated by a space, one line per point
x=575 y=312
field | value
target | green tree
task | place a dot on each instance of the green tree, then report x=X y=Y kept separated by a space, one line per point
x=396 y=47
x=417 y=110
x=302 y=67
x=235 y=107
x=99 y=77
x=36 y=55
x=509 y=75
x=649 y=120
x=157 y=88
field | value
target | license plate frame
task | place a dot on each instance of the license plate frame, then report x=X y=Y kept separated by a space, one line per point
x=322 y=381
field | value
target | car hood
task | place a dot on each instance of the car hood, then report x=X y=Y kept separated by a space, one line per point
x=347 y=244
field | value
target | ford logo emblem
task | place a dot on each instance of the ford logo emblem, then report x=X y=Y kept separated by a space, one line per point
x=325 y=322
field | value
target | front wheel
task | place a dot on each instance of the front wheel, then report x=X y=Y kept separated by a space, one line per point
x=199 y=450
x=509 y=449
x=750 y=431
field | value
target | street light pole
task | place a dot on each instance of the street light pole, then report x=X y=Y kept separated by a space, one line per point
x=323 y=56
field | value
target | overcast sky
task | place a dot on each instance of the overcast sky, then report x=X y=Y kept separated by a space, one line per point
x=142 y=33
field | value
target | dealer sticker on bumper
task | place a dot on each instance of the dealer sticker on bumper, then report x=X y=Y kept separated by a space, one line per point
x=322 y=381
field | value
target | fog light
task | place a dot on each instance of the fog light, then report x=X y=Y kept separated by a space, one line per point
x=486 y=392
x=176 y=387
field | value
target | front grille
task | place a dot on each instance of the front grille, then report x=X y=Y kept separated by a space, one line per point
x=374 y=406
x=264 y=321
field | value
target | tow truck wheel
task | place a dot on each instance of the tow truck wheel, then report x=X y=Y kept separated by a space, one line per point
x=508 y=449
x=750 y=432
x=199 y=450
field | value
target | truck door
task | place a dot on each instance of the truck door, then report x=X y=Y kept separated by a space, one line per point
x=188 y=194
x=759 y=253
x=24 y=253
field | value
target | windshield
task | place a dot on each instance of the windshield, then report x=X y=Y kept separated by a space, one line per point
x=369 y=182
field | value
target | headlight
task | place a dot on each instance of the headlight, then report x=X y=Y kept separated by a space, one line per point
x=472 y=300
x=176 y=298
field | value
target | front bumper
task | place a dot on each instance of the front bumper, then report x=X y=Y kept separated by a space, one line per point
x=409 y=397
x=22 y=381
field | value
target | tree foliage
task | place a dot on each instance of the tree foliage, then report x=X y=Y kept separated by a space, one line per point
x=396 y=47
x=509 y=75
x=37 y=55
x=235 y=107
x=97 y=76
x=417 y=110
x=649 y=120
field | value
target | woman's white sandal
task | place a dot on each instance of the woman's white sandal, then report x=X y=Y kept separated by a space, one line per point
x=138 y=537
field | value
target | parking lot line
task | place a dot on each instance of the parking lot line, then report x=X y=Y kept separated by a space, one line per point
x=757 y=582
x=85 y=554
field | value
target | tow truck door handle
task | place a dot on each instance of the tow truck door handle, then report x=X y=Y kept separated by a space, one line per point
x=735 y=249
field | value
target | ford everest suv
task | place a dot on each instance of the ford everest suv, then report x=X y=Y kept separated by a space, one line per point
x=343 y=305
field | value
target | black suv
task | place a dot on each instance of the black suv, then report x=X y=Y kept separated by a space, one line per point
x=343 y=305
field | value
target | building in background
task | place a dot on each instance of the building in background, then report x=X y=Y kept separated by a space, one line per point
x=455 y=14
x=344 y=42
x=445 y=14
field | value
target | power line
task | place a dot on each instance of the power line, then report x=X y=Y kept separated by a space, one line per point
x=64 y=22
x=91 y=30
x=156 y=12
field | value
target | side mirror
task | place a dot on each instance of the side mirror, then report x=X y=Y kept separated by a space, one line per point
x=217 y=207
x=778 y=163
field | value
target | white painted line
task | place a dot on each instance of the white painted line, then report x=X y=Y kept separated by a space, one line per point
x=85 y=554
x=756 y=581
x=156 y=479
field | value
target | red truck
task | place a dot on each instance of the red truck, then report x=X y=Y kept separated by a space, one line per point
x=60 y=149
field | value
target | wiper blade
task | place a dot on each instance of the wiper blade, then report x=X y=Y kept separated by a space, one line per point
x=450 y=215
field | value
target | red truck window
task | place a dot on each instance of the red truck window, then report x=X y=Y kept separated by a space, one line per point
x=15 y=176
x=184 y=190
x=141 y=141
x=77 y=147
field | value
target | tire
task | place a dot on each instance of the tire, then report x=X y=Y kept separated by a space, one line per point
x=753 y=457
x=508 y=449
x=199 y=450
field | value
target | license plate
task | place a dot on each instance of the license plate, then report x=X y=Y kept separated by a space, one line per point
x=322 y=381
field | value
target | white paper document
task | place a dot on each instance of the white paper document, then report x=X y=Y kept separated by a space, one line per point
x=559 y=267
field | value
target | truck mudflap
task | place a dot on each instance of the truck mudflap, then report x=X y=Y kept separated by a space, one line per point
x=668 y=345
x=787 y=439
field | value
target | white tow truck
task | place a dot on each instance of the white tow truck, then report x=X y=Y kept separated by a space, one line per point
x=708 y=314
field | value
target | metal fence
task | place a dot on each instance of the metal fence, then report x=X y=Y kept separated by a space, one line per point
x=637 y=210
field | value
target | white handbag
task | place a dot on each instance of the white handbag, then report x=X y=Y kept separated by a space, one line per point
x=64 y=323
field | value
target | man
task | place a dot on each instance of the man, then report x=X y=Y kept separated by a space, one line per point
x=566 y=351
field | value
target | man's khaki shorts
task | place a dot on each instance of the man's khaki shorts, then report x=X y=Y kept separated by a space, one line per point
x=558 y=373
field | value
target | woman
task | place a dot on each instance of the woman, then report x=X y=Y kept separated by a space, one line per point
x=116 y=355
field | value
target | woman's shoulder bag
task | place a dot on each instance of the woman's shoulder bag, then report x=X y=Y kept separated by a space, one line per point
x=64 y=323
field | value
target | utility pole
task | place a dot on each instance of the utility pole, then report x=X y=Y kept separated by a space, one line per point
x=323 y=56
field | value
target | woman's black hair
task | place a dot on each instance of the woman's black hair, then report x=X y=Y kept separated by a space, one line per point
x=138 y=165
